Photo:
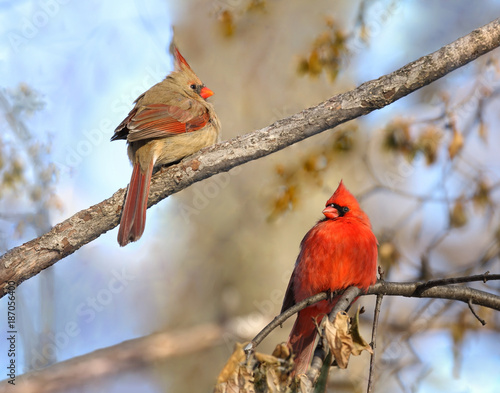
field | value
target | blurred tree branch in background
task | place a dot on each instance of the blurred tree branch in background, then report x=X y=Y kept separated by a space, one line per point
x=132 y=354
x=65 y=238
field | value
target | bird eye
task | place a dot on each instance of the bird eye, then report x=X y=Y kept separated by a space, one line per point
x=193 y=86
x=345 y=209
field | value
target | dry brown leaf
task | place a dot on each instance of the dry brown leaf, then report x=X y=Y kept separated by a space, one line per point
x=345 y=340
x=344 y=141
x=274 y=370
x=305 y=384
x=282 y=351
x=245 y=380
x=241 y=381
x=360 y=344
x=230 y=386
x=273 y=382
x=456 y=144
x=226 y=20
x=388 y=255
x=262 y=372
x=265 y=358
x=256 y=5
x=428 y=143
x=338 y=338
x=221 y=388
x=481 y=197
x=483 y=131
x=232 y=365
x=397 y=137
x=458 y=215
x=314 y=65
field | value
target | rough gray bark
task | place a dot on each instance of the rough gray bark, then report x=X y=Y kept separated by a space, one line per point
x=65 y=238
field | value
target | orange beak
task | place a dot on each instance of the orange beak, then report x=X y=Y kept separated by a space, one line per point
x=330 y=212
x=205 y=92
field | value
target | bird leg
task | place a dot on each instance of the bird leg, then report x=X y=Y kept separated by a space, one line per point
x=332 y=295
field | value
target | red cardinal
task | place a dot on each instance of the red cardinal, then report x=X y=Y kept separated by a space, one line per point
x=338 y=252
x=169 y=121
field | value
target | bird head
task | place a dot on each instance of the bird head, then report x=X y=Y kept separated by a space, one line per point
x=343 y=204
x=187 y=80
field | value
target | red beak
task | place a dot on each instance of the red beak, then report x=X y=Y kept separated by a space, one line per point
x=206 y=92
x=330 y=212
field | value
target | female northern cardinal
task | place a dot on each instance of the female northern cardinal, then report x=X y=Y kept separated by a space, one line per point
x=338 y=252
x=168 y=122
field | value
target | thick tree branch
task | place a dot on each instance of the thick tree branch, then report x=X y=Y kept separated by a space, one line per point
x=65 y=238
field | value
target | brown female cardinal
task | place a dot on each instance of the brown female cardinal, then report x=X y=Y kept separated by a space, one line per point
x=338 y=252
x=168 y=122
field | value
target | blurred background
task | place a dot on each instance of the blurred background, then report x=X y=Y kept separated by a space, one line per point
x=219 y=254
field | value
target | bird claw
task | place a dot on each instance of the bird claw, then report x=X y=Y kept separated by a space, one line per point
x=331 y=295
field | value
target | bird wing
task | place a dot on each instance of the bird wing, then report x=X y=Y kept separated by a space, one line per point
x=289 y=299
x=161 y=121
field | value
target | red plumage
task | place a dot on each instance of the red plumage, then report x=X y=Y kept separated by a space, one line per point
x=133 y=218
x=338 y=252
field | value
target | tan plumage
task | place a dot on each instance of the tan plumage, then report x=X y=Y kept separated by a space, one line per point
x=168 y=122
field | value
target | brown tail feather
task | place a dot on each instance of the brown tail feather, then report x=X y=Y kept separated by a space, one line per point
x=133 y=218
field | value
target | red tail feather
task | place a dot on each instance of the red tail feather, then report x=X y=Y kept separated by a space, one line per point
x=302 y=338
x=133 y=218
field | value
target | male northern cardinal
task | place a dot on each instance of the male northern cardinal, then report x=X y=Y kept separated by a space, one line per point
x=338 y=252
x=168 y=122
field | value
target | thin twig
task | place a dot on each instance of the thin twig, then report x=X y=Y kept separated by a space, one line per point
x=277 y=321
x=483 y=322
x=376 y=315
x=456 y=280
x=452 y=292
